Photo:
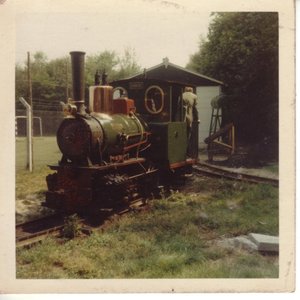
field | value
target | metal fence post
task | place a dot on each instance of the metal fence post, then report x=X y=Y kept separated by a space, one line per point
x=29 y=133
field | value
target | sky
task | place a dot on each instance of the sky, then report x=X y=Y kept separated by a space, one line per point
x=154 y=29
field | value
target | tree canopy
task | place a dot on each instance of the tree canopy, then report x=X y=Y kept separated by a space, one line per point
x=51 y=80
x=241 y=49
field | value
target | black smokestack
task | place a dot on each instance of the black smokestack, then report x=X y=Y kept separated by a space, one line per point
x=77 y=60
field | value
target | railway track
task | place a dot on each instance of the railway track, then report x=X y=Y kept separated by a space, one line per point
x=209 y=170
x=32 y=232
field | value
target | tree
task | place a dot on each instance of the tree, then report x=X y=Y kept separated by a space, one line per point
x=38 y=67
x=117 y=67
x=48 y=82
x=128 y=64
x=21 y=81
x=241 y=50
x=59 y=72
x=104 y=61
x=51 y=78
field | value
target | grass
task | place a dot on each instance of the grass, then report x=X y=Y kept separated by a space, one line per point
x=31 y=183
x=45 y=151
x=173 y=238
x=273 y=168
x=30 y=187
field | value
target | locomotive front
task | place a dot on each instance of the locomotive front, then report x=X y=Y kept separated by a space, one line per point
x=100 y=147
x=108 y=132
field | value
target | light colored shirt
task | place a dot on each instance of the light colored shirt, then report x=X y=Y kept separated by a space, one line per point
x=189 y=101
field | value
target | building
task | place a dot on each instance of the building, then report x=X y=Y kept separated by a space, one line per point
x=206 y=89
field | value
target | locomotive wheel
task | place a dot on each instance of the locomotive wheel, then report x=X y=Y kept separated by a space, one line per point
x=115 y=189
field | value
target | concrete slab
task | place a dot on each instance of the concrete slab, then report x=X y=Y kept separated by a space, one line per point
x=264 y=242
x=240 y=242
x=244 y=243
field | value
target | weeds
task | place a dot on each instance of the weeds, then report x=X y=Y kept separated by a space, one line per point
x=72 y=227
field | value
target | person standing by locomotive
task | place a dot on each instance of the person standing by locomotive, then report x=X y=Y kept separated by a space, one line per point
x=190 y=105
x=191 y=112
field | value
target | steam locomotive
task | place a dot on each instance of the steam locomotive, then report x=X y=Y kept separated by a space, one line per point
x=117 y=148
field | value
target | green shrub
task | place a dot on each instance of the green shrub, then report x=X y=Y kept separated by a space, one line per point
x=72 y=227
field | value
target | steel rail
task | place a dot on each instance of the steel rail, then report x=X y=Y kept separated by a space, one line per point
x=210 y=170
x=34 y=231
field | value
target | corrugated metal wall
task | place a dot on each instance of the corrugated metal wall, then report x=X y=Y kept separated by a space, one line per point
x=205 y=94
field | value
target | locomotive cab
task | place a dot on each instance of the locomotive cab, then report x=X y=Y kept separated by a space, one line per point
x=160 y=104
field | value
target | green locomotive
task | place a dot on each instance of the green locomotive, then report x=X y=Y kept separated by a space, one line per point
x=131 y=136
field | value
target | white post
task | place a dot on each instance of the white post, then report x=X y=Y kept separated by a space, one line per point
x=29 y=133
x=40 y=122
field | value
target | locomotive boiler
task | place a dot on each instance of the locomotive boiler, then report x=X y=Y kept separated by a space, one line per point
x=116 y=148
x=108 y=132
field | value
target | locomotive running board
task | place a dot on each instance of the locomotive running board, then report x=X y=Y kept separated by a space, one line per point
x=187 y=162
x=101 y=168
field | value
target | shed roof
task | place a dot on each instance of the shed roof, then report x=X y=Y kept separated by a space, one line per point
x=169 y=71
